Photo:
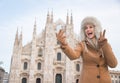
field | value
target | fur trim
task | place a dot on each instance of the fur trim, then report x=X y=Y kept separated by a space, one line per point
x=95 y=22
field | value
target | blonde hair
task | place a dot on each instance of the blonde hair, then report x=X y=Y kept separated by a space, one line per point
x=90 y=20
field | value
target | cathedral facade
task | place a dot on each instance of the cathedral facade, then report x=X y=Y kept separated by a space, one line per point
x=41 y=60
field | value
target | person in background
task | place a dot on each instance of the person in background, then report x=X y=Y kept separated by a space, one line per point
x=94 y=49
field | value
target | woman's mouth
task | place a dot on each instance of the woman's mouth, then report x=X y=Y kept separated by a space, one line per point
x=90 y=35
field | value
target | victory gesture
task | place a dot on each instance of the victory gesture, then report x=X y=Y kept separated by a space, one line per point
x=61 y=37
x=102 y=35
x=102 y=38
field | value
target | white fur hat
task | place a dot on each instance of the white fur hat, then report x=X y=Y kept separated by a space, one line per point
x=90 y=20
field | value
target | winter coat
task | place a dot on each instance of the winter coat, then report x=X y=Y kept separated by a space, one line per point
x=95 y=62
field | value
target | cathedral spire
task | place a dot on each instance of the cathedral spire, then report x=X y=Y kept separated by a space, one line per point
x=67 y=18
x=34 y=30
x=16 y=38
x=20 y=43
x=16 y=43
x=35 y=23
x=48 y=18
x=20 y=39
x=71 y=20
x=52 y=17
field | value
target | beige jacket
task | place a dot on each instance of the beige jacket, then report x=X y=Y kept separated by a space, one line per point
x=95 y=62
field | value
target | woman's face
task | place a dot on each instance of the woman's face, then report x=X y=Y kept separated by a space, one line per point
x=90 y=31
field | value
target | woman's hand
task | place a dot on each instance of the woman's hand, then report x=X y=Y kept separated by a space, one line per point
x=61 y=37
x=102 y=39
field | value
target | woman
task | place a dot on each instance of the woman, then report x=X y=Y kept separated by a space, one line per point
x=95 y=51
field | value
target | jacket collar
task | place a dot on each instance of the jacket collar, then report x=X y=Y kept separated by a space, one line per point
x=91 y=44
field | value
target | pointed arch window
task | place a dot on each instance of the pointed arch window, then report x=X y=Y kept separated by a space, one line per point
x=58 y=78
x=39 y=66
x=77 y=80
x=58 y=56
x=40 y=52
x=24 y=80
x=38 y=80
x=77 y=67
x=25 y=65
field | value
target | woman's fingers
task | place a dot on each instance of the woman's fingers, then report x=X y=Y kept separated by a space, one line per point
x=104 y=33
x=100 y=35
x=61 y=32
x=61 y=37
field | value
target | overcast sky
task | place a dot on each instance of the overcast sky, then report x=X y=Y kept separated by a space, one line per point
x=21 y=14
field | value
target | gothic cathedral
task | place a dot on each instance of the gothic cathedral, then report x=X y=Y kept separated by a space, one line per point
x=41 y=60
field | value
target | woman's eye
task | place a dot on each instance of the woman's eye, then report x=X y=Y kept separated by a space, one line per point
x=85 y=28
x=91 y=27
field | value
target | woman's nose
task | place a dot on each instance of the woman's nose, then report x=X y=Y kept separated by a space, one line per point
x=88 y=28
